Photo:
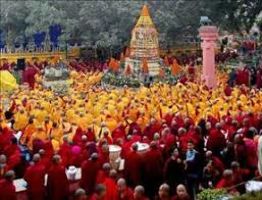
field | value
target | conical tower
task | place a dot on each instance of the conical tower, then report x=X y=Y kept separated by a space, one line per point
x=144 y=44
x=144 y=40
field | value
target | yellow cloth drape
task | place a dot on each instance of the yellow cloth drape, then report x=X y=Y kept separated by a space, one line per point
x=7 y=81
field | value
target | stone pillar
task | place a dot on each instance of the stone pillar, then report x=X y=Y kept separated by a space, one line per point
x=209 y=35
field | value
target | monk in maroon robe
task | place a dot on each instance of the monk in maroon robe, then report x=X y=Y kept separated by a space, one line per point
x=29 y=75
x=139 y=193
x=226 y=181
x=153 y=169
x=216 y=140
x=100 y=193
x=5 y=137
x=123 y=192
x=111 y=186
x=77 y=139
x=103 y=173
x=90 y=135
x=181 y=193
x=118 y=132
x=65 y=151
x=57 y=182
x=6 y=66
x=90 y=170
x=3 y=166
x=133 y=167
x=7 y=189
x=13 y=154
x=35 y=178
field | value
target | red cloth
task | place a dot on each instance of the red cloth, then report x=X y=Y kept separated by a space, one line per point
x=65 y=153
x=183 y=140
x=57 y=183
x=95 y=197
x=251 y=149
x=133 y=168
x=224 y=183
x=118 y=132
x=5 y=137
x=168 y=118
x=111 y=188
x=169 y=140
x=153 y=162
x=77 y=139
x=242 y=77
x=90 y=170
x=6 y=66
x=29 y=76
x=13 y=154
x=228 y=90
x=101 y=176
x=7 y=190
x=216 y=140
x=90 y=136
x=103 y=157
x=35 y=178
x=126 y=195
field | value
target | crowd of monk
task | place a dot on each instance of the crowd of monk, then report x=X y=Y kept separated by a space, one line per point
x=198 y=138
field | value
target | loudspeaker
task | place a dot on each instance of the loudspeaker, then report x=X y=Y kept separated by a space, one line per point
x=20 y=64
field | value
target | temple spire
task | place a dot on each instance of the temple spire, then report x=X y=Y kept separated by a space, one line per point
x=144 y=11
x=144 y=18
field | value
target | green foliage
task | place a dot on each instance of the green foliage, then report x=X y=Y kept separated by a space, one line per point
x=211 y=194
x=109 y=23
x=250 y=196
x=120 y=80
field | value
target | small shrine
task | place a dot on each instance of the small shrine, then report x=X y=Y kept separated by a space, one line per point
x=144 y=56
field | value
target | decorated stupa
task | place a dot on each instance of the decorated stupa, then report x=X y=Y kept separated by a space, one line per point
x=144 y=46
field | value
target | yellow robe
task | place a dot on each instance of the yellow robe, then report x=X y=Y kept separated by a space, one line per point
x=21 y=120
x=28 y=132
x=38 y=134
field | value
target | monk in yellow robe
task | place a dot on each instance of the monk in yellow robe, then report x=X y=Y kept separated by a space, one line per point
x=21 y=120
x=39 y=134
x=28 y=131
x=56 y=132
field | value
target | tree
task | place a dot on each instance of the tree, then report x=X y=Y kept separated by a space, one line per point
x=12 y=15
x=108 y=24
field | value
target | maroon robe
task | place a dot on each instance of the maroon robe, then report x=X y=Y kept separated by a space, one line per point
x=90 y=170
x=57 y=183
x=111 y=188
x=7 y=190
x=6 y=66
x=35 y=178
x=29 y=76
x=216 y=141
x=133 y=168
x=5 y=138
x=153 y=170
x=65 y=153
x=126 y=195
x=118 y=132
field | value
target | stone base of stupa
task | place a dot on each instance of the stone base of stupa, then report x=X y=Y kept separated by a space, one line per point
x=135 y=65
